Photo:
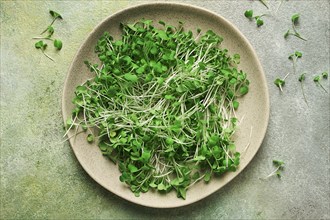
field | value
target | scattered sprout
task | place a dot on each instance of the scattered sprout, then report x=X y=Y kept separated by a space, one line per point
x=278 y=171
x=317 y=80
x=294 y=32
x=249 y=15
x=301 y=79
x=281 y=82
x=50 y=31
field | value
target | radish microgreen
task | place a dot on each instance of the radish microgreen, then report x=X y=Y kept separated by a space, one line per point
x=249 y=15
x=42 y=46
x=50 y=31
x=301 y=79
x=294 y=57
x=317 y=79
x=55 y=16
x=293 y=31
x=278 y=170
x=164 y=102
x=281 y=82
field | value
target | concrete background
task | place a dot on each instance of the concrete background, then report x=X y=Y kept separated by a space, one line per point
x=41 y=178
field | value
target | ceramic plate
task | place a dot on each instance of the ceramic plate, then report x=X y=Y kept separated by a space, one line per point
x=254 y=107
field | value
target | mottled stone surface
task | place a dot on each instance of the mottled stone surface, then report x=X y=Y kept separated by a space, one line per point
x=41 y=178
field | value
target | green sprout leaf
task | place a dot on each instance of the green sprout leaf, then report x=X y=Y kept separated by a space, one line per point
x=286 y=35
x=41 y=45
x=50 y=30
x=295 y=18
x=279 y=83
x=58 y=44
x=55 y=14
x=132 y=168
x=248 y=13
x=244 y=90
x=260 y=22
x=298 y=54
x=279 y=165
x=90 y=138
x=301 y=79
x=131 y=77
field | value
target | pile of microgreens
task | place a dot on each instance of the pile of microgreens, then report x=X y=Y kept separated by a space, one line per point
x=49 y=31
x=163 y=102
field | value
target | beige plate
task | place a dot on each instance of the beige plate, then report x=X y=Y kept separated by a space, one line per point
x=253 y=111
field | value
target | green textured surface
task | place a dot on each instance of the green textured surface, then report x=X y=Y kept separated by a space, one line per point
x=41 y=178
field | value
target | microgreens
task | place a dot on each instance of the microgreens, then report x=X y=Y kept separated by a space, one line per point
x=50 y=31
x=249 y=15
x=164 y=104
x=317 y=79
x=279 y=168
x=42 y=46
x=301 y=79
x=294 y=32
x=294 y=57
x=280 y=82
x=58 y=44
x=55 y=16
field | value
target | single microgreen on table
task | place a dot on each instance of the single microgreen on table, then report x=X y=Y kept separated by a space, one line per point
x=42 y=46
x=50 y=31
x=249 y=15
x=301 y=79
x=50 y=28
x=163 y=102
x=294 y=58
x=318 y=78
x=293 y=31
x=278 y=171
x=281 y=82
